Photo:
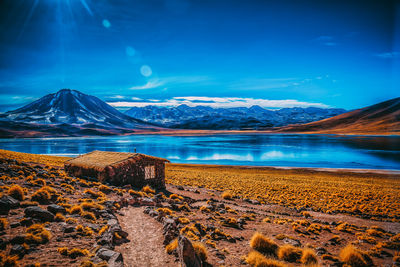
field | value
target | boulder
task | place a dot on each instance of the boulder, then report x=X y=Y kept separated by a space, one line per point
x=39 y=213
x=7 y=203
x=187 y=255
x=106 y=254
x=116 y=260
x=18 y=250
x=53 y=208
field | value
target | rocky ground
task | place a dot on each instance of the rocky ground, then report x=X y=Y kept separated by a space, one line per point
x=50 y=219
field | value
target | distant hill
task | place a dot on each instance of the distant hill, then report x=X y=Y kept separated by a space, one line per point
x=381 y=118
x=68 y=113
x=208 y=118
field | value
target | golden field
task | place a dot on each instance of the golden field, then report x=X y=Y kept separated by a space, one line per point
x=372 y=195
x=364 y=194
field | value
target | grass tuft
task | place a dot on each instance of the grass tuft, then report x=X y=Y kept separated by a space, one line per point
x=200 y=250
x=263 y=244
x=257 y=259
x=354 y=257
x=16 y=192
x=290 y=253
x=171 y=247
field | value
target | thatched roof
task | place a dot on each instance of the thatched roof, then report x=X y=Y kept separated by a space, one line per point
x=101 y=159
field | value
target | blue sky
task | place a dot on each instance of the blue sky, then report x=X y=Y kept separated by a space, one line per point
x=220 y=53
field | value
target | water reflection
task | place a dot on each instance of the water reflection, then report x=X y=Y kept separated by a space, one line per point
x=268 y=150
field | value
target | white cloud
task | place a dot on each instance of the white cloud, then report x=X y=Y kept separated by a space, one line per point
x=157 y=82
x=393 y=54
x=117 y=97
x=149 y=85
x=220 y=102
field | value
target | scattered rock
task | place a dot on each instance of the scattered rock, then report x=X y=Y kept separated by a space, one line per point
x=15 y=224
x=18 y=250
x=19 y=239
x=106 y=254
x=53 y=208
x=39 y=213
x=187 y=255
x=7 y=203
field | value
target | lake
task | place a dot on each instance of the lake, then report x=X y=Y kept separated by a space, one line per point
x=326 y=151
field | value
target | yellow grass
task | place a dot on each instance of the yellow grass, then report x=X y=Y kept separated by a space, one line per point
x=200 y=250
x=41 y=159
x=290 y=253
x=332 y=192
x=263 y=244
x=256 y=259
x=16 y=192
x=354 y=257
x=171 y=246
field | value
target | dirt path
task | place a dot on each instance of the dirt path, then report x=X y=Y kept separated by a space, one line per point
x=145 y=234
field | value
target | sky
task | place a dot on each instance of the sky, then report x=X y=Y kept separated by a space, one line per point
x=220 y=53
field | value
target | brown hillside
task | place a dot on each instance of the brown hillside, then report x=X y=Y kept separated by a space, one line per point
x=381 y=118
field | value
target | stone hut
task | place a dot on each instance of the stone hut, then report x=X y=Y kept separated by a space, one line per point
x=119 y=168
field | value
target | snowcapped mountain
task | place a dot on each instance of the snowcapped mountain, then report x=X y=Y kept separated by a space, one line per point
x=255 y=117
x=72 y=107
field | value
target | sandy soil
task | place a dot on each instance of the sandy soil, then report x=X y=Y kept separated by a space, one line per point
x=146 y=240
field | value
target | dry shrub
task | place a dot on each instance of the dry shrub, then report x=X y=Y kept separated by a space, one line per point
x=183 y=220
x=69 y=188
x=355 y=257
x=309 y=257
x=148 y=189
x=71 y=220
x=91 y=206
x=290 y=253
x=85 y=231
x=176 y=197
x=25 y=204
x=44 y=194
x=103 y=229
x=166 y=211
x=73 y=252
x=227 y=195
x=88 y=215
x=200 y=250
x=267 y=220
x=256 y=259
x=59 y=217
x=171 y=246
x=16 y=192
x=8 y=261
x=306 y=214
x=375 y=232
x=104 y=188
x=211 y=243
x=3 y=223
x=37 y=234
x=263 y=244
x=93 y=194
x=395 y=238
x=230 y=222
x=75 y=210
x=135 y=193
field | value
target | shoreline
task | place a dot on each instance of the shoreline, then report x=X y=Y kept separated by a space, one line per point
x=37 y=158
x=300 y=169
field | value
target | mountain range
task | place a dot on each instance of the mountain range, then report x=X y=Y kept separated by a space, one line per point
x=241 y=118
x=72 y=113
x=68 y=113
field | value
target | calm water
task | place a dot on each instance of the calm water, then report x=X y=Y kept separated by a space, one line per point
x=262 y=150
